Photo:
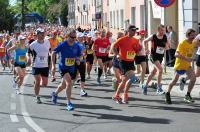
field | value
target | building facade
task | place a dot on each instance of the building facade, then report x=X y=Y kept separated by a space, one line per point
x=116 y=15
x=71 y=13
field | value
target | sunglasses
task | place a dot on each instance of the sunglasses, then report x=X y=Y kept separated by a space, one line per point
x=72 y=37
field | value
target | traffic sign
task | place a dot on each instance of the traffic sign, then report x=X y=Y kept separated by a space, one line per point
x=164 y=3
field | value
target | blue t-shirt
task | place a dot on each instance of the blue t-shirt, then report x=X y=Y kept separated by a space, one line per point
x=20 y=55
x=68 y=55
x=82 y=47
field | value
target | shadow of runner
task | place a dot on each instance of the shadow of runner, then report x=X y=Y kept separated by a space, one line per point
x=90 y=107
x=175 y=109
x=125 y=118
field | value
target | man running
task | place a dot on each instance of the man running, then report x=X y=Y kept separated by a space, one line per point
x=159 y=45
x=40 y=69
x=128 y=48
x=184 y=54
x=69 y=55
x=101 y=48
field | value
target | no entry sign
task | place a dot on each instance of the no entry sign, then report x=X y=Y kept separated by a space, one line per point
x=164 y=3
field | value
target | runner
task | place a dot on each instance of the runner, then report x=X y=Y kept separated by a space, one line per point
x=7 y=55
x=159 y=45
x=2 y=52
x=101 y=47
x=90 y=57
x=80 y=69
x=183 y=66
x=20 y=51
x=115 y=63
x=128 y=47
x=140 y=58
x=197 y=72
x=53 y=42
x=40 y=51
x=69 y=55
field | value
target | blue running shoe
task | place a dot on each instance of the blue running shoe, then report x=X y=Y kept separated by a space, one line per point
x=70 y=107
x=144 y=87
x=160 y=91
x=54 y=97
x=98 y=80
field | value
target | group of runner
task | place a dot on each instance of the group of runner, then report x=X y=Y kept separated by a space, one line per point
x=76 y=53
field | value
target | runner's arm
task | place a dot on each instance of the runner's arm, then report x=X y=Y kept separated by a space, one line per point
x=12 y=48
x=178 y=55
x=146 y=46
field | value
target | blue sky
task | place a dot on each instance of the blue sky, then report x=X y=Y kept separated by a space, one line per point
x=12 y=2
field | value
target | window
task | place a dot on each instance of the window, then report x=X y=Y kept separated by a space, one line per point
x=117 y=18
x=142 y=16
x=114 y=19
x=133 y=15
x=107 y=2
x=122 y=18
x=111 y=19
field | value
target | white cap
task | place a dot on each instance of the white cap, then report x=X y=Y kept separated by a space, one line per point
x=21 y=37
x=89 y=35
x=79 y=35
x=39 y=30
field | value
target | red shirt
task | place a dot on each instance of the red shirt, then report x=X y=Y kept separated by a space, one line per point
x=128 y=47
x=101 y=46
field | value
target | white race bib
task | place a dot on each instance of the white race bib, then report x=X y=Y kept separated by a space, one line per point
x=42 y=59
x=160 y=50
x=102 y=50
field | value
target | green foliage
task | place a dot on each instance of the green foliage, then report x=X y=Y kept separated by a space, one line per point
x=6 y=21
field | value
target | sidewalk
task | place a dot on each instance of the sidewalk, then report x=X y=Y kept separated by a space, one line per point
x=167 y=78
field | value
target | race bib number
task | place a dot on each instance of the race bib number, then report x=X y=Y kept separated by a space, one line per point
x=102 y=50
x=42 y=59
x=69 y=61
x=130 y=55
x=2 y=50
x=160 y=50
x=22 y=58
x=89 y=51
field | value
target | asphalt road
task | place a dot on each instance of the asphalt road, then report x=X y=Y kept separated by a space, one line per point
x=95 y=113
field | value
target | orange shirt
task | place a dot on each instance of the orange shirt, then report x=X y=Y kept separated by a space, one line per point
x=128 y=47
x=53 y=43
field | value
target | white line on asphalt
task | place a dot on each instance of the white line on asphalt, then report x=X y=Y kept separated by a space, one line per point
x=22 y=130
x=14 y=118
x=13 y=106
x=26 y=115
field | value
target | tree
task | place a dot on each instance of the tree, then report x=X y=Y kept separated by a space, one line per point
x=6 y=21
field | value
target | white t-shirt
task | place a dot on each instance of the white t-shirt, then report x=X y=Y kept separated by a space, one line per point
x=40 y=53
x=198 y=39
x=142 y=52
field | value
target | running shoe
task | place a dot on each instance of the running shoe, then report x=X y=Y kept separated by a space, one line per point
x=54 y=97
x=53 y=79
x=38 y=101
x=17 y=91
x=105 y=76
x=160 y=91
x=188 y=99
x=144 y=87
x=69 y=106
x=88 y=77
x=98 y=80
x=168 y=98
x=117 y=99
x=83 y=93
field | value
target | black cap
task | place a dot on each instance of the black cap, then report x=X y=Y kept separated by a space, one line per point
x=132 y=27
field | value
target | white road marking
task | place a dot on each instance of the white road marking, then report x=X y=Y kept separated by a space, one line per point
x=23 y=130
x=13 y=106
x=26 y=115
x=14 y=118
